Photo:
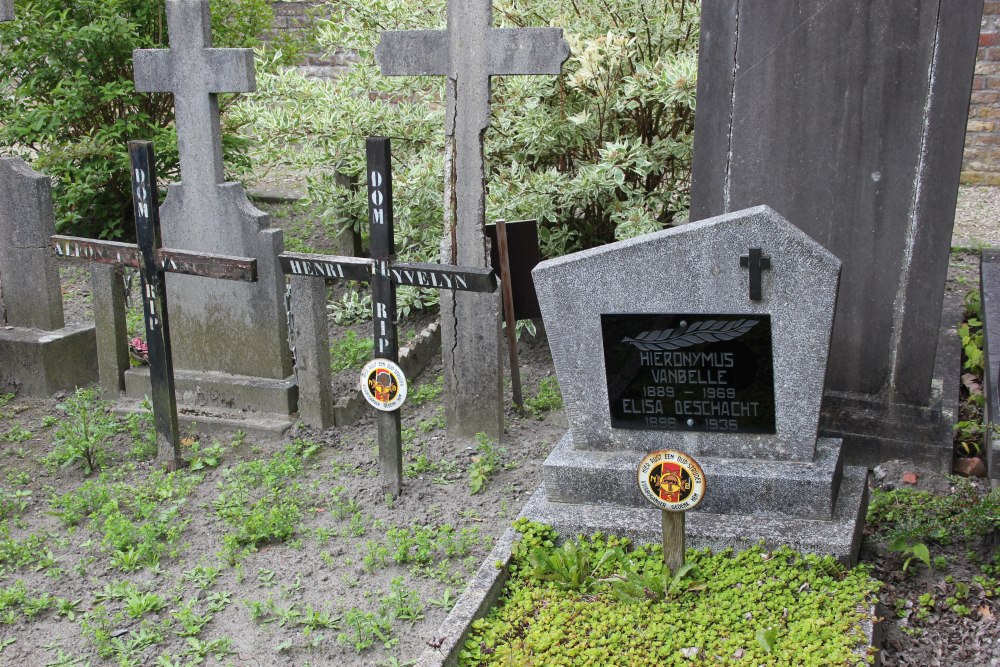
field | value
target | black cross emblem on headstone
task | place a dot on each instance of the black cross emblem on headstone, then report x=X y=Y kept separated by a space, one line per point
x=385 y=274
x=153 y=263
x=756 y=261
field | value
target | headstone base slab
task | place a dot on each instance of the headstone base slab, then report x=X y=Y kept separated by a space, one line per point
x=839 y=537
x=989 y=272
x=220 y=422
x=41 y=363
x=222 y=391
x=787 y=489
x=876 y=429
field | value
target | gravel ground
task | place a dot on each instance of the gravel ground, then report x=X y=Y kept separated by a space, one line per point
x=977 y=217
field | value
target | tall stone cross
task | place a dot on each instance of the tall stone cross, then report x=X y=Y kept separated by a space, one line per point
x=243 y=345
x=6 y=10
x=469 y=52
x=195 y=73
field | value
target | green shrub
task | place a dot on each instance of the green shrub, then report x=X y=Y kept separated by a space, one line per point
x=601 y=152
x=68 y=102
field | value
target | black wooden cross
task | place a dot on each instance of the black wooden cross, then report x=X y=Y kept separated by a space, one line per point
x=385 y=274
x=153 y=263
x=756 y=261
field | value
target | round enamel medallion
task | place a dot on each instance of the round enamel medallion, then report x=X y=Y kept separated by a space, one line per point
x=671 y=480
x=383 y=384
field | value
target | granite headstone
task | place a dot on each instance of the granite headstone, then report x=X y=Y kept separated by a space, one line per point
x=230 y=344
x=658 y=344
x=848 y=118
x=39 y=354
x=6 y=10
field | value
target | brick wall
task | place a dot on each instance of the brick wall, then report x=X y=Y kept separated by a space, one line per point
x=982 y=141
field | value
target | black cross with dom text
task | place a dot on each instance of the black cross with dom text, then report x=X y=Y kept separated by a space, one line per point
x=385 y=274
x=153 y=263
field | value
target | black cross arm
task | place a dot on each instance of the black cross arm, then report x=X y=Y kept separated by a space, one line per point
x=330 y=267
x=444 y=276
x=116 y=253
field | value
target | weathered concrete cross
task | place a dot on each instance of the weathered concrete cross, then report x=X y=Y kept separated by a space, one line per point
x=195 y=73
x=6 y=10
x=469 y=52
x=153 y=263
x=385 y=274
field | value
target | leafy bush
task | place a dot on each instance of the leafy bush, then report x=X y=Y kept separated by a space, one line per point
x=598 y=153
x=68 y=102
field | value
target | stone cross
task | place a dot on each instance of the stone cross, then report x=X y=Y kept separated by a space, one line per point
x=384 y=273
x=153 y=263
x=756 y=261
x=195 y=73
x=468 y=53
x=6 y=10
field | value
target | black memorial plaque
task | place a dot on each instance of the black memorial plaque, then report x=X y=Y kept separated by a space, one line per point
x=690 y=372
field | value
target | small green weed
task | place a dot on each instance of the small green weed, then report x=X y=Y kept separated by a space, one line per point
x=82 y=437
x=350 y=352
x=547 y=399
x=484 y=465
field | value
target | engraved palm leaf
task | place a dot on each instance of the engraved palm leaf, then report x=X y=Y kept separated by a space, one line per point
x=709 y=331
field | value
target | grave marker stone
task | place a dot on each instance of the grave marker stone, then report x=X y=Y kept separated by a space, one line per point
x=468 y=53
x=848 y=117
x=154 y=263
x=230 y=340
x=6 y=10
x=384 y=274
x=658 y=345
x=39 y=354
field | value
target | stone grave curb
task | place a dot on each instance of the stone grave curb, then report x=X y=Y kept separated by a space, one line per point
x=840 y=537
x=487 y=586
x=413 y=358
x=989 y=271
x=219 y=421
x=41 y=363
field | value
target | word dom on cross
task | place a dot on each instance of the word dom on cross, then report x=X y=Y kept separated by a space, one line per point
x=385 y=274
x=153 y=263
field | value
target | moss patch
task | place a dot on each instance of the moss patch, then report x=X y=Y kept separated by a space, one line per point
x=575 y=605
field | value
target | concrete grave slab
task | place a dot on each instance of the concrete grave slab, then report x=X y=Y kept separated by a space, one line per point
x=848 y=118
x=989 y=273
x=39 y=355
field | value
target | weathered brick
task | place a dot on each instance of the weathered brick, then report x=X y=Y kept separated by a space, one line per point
x=987 y=68
x=981 y=126
x=985 y=97
x=986 y=111
x=987 y=39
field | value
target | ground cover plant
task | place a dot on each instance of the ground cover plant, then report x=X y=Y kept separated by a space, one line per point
x=598 y=600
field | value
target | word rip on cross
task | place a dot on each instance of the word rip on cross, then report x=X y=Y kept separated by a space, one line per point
x=385 y=274
x=153 y=263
